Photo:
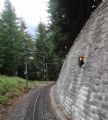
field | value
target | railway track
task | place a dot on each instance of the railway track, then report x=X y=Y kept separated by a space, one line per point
x=40 y=107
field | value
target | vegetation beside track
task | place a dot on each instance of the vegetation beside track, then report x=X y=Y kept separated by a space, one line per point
x=11 y=87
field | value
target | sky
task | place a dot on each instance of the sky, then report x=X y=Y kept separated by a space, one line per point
x=32 y=11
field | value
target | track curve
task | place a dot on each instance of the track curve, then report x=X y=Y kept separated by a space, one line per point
x=40 y=107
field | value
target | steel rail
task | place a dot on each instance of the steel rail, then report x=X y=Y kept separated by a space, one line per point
x=43 y=118
x=36 y=100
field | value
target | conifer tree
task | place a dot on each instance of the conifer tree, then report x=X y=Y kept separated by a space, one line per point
x=10 y=40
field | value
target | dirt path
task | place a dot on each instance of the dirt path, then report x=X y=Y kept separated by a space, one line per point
x=40 y=107
x=17 y=108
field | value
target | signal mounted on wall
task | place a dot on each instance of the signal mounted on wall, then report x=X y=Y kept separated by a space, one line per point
x=82 y=60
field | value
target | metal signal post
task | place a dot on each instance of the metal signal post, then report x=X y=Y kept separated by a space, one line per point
x=26 y=73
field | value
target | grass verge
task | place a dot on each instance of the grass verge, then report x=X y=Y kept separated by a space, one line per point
x=11 y=87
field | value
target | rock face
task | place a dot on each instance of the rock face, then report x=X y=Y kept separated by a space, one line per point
x=82 y=91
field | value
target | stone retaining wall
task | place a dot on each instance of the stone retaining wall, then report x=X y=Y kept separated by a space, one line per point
x=83 y=91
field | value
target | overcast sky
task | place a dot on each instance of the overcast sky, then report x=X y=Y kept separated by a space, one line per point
x=32 y=11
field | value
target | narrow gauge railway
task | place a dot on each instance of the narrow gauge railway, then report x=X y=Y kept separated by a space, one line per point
x=40 y=107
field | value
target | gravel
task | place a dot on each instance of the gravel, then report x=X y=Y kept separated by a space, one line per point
x=17 y=110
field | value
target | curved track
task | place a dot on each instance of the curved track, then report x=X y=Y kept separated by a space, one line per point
x=40 y=107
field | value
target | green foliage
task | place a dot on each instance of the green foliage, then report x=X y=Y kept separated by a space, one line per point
x=67 y=19
x=47 y=64
x=10 y=87
x=14 y=41
x=3 y=100
x=9 y=39
x=40 y=52
x=65 y=24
